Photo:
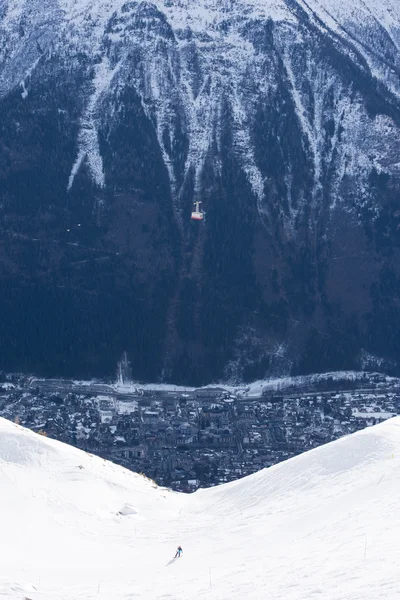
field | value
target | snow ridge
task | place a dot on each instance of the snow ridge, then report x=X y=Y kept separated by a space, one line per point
x=329 y=517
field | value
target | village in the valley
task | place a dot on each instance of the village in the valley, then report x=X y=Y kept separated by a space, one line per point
x=190 y=438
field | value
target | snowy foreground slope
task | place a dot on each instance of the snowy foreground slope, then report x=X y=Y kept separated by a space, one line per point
x=323 y=525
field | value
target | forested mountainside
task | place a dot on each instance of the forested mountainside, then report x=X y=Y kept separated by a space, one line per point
x=281 y=116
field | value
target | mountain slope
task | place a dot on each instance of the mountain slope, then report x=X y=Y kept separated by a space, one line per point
x=282 y=117
x=323 y=524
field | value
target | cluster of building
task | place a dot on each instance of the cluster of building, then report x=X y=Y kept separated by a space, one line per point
x=197 y=438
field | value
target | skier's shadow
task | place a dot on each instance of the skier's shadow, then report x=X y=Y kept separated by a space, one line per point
x=171 y=562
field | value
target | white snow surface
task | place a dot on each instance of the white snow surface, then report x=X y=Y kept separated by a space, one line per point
x=323 y=525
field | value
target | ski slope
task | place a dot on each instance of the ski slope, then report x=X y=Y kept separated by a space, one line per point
x=324 y=525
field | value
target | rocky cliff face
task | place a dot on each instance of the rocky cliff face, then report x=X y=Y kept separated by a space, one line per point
x=281 y=116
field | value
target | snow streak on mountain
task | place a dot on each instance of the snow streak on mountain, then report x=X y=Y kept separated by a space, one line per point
x=281 y=116
x=324 y=524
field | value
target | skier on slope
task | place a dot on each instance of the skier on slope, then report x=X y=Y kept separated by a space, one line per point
x=178 y=552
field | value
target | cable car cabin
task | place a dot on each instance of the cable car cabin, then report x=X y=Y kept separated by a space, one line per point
x=197 y=213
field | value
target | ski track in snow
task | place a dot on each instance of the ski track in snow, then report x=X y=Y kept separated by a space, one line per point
x=322 y=525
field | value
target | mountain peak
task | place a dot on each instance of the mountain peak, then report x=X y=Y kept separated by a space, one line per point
x=281 y=117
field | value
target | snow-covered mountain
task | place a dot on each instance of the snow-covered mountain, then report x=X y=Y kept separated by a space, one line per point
x=324 y=524
x=281 y=116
